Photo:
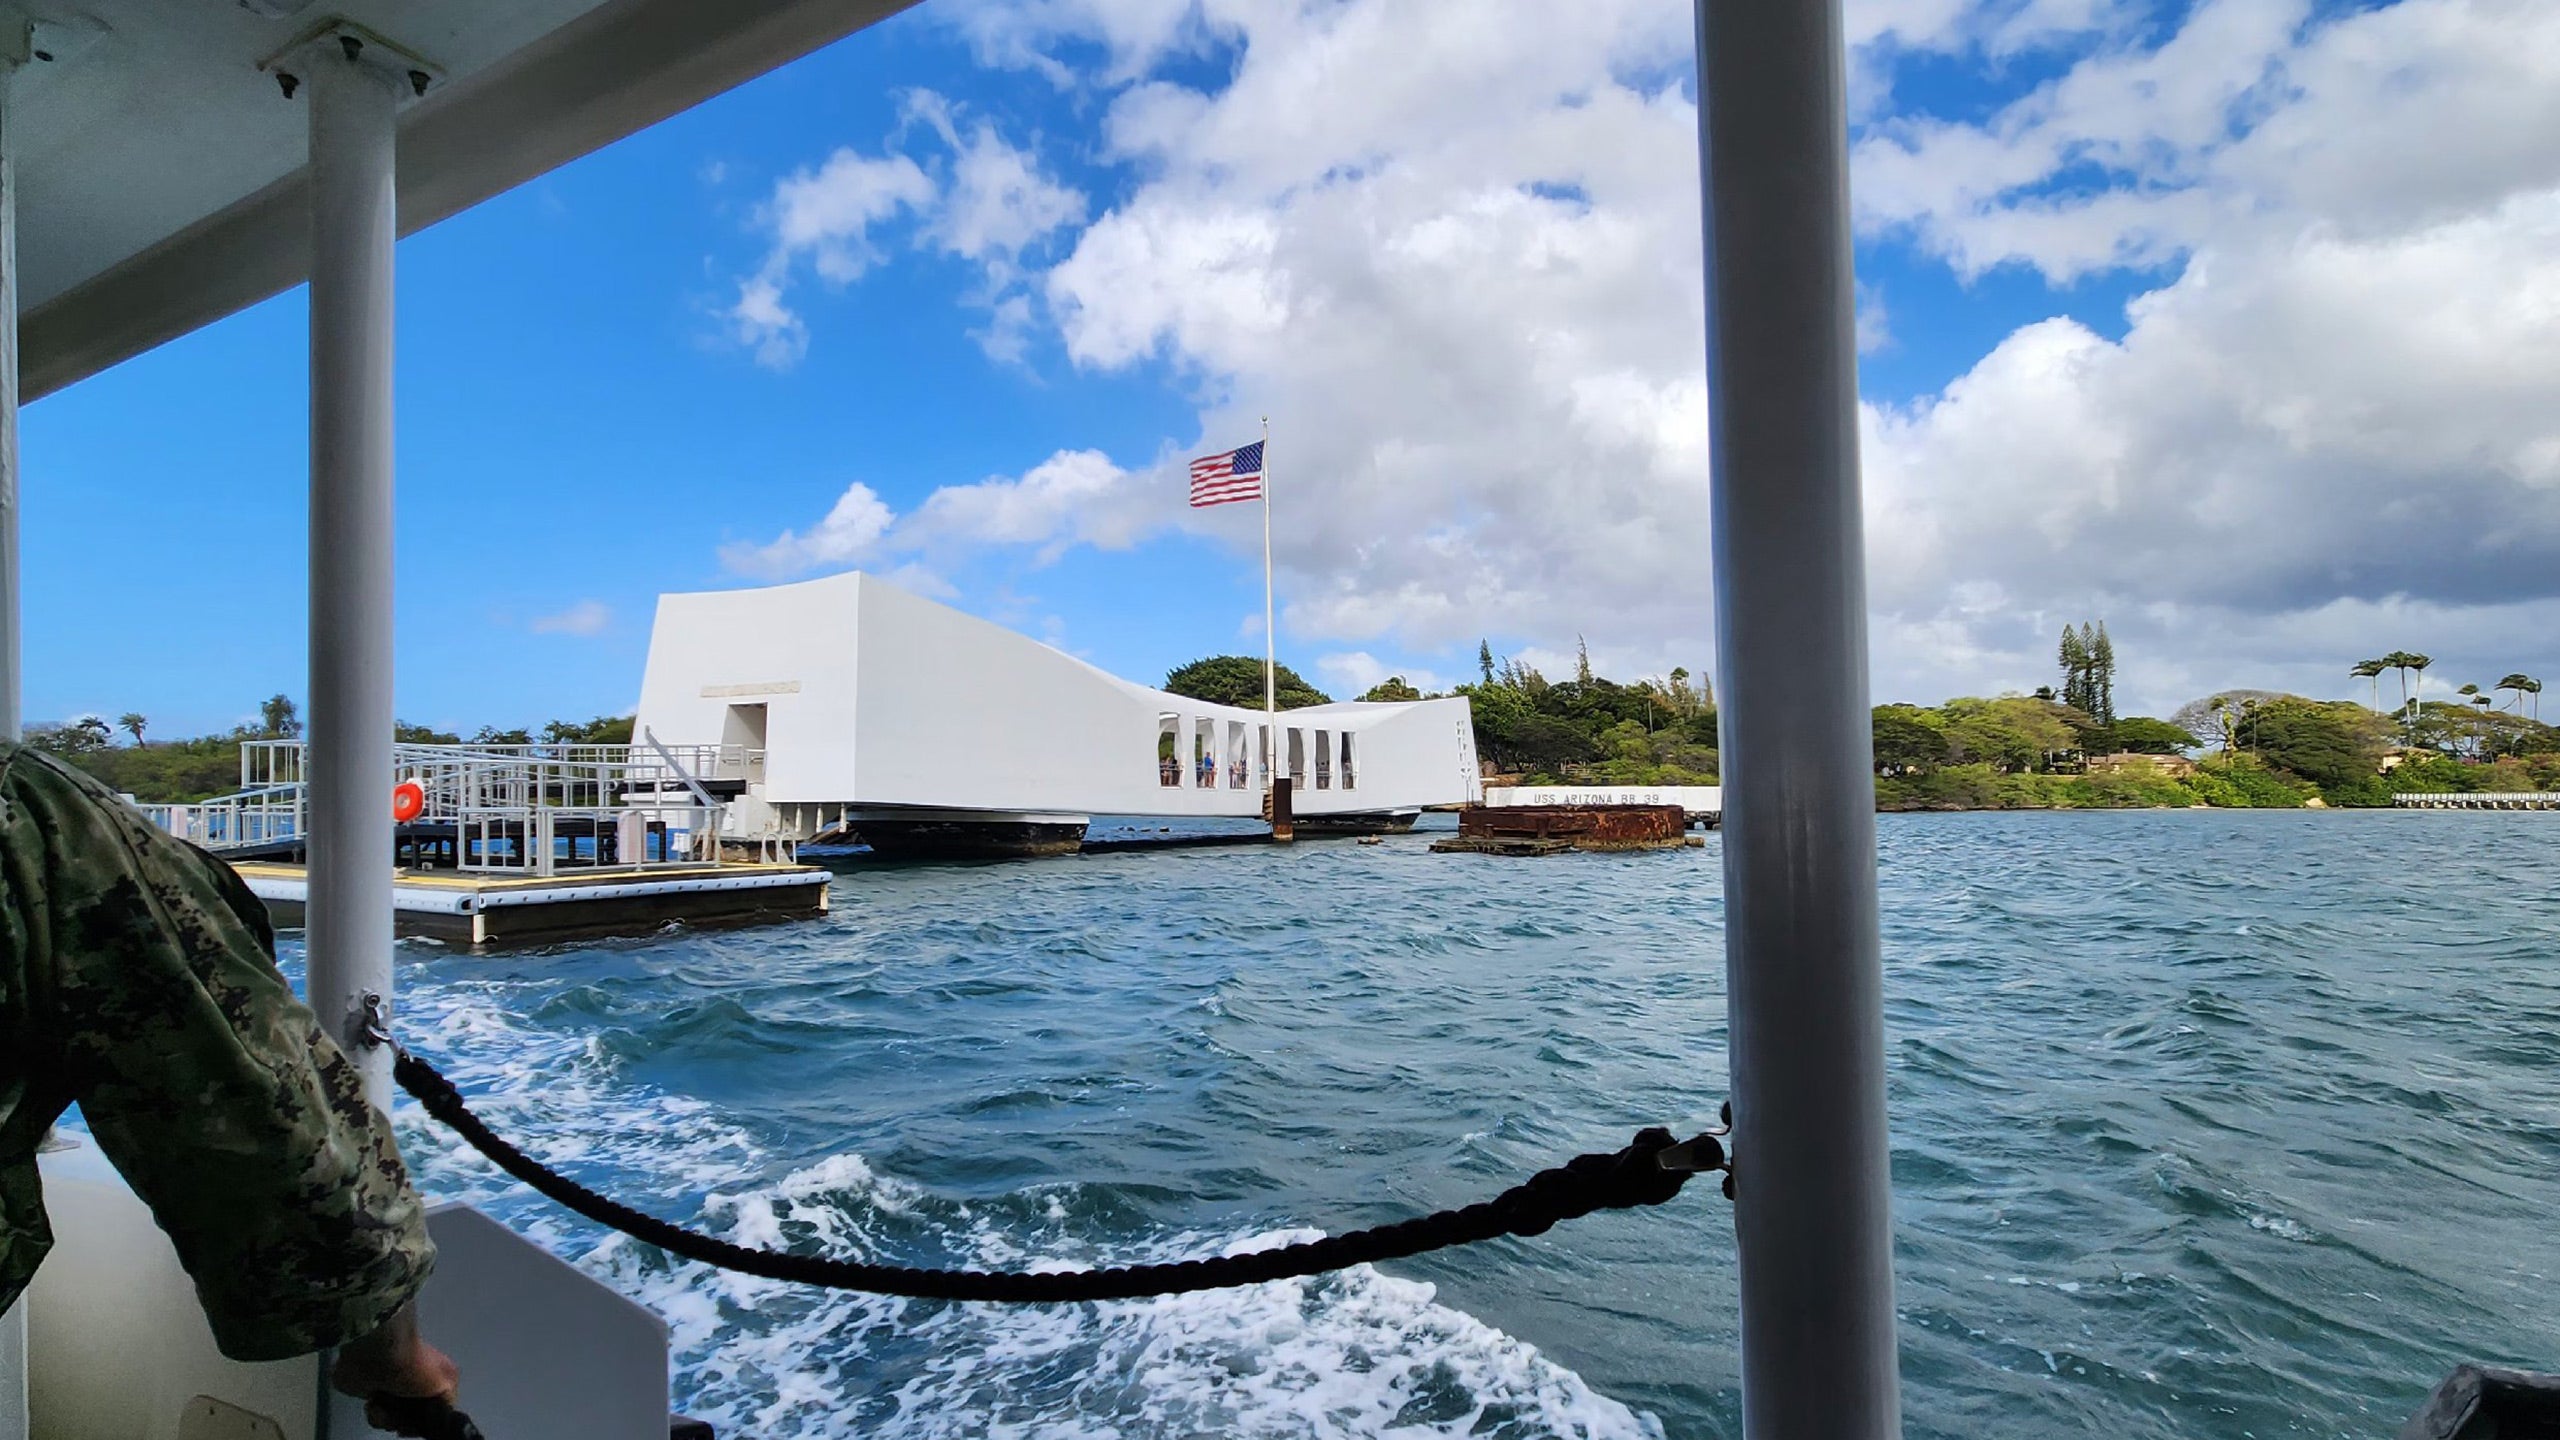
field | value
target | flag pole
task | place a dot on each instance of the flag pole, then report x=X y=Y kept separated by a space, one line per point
x=1270 y=642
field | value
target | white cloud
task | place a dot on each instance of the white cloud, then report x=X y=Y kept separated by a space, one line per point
x=587 y=617
x=1454 y=256
x=1456 y=261
x=823 y=216
x=2250 y=119
x=2287 y=429
x=2333 y=432
x=986 y=202
x=1350 y=674
x=1075 y=497
x=1019 y=34
x=1000 y=201
x=849 y=535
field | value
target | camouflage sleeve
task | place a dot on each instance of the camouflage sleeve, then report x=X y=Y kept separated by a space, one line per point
x=211 y=1088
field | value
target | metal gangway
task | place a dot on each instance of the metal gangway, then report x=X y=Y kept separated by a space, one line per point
x=528 y=809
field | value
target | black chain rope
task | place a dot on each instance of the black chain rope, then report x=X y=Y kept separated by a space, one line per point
x=1647 y=1172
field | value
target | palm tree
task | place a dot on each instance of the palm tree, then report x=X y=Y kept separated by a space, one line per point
x=2419 y=663
x=2398 y=662
x=2222 y=712
x=2371 y=670
x=2515 y=682
x=2533 y=688
x=2405 y=661
x=131 y=722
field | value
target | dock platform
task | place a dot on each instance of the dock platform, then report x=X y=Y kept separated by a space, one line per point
x=480 y=909
x=2478 y=800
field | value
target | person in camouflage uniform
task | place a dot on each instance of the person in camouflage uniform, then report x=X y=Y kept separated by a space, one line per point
x=138 y=980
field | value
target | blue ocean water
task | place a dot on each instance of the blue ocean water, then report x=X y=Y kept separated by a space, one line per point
x=2205 y=1124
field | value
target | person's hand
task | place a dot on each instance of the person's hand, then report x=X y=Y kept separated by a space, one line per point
x=393 y=1361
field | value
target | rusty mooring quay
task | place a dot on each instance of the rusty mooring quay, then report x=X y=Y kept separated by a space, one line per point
x=1561 y=829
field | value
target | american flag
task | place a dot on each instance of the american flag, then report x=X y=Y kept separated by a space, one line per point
x=1235 y=475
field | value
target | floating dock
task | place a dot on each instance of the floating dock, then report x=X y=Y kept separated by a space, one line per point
x=480 y=909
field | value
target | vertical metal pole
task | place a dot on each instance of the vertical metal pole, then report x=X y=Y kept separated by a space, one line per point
x=1270 y=637
x=1803 y=969
x=353 y=125
x=13 y=52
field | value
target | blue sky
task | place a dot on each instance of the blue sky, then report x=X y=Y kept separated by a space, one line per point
x=2141 y=279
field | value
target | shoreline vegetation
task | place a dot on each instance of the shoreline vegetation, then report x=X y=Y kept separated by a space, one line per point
x=2060 y=748
x=201 y=767
x=2063 y=747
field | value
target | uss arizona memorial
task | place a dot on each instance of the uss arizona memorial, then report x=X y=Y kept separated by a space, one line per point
x=846 y=707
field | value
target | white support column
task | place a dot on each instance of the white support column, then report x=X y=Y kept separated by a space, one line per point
x=14 y=47
x=1804 y=975
x=354 y=108
x=13 y=52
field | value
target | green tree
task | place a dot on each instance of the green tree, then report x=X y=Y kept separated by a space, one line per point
x=1627 y=740
x=2143 y=735
x=2405 y=661
x=81 y=736
x=2102 y=677
x=2013 y=733
x=1484 y=659
x=2074 y=659
x=132 y=722
x=1683 y=694
x=2211 y=719
x=2088 y=660
x=1549 y=743
x=1237 y=680
x=1905 y=743
x=1392 y=688
x=602 y=730
x=1497 y=712
x=405 y=733
x=1581 y=662
x=278 y=719
x=2517 y=682
x=492 y=735
x=2332 y=744
x=2371 y=670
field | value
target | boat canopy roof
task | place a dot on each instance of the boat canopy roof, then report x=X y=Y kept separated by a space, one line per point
x=160 y=166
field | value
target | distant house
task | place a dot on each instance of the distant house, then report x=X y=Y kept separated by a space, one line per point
x=2128 y=762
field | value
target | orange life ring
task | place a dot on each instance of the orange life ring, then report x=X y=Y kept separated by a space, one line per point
x=408 y=801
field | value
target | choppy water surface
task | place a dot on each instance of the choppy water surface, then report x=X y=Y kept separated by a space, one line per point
x=2205 y=1125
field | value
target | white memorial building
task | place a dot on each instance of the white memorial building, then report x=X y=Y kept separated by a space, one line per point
x=845 y=706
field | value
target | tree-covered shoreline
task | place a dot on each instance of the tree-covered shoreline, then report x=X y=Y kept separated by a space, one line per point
x=201 y=767
x=2060 y=748
x=2056 y=749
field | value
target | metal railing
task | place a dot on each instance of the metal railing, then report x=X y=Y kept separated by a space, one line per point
x=267 y=815
x=2477 y=800
x=534 y=809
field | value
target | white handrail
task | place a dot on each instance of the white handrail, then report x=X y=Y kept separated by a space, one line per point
x=510 y=807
